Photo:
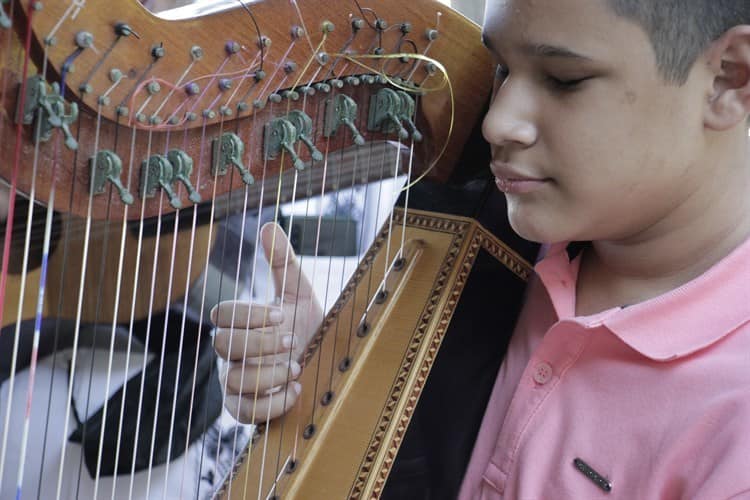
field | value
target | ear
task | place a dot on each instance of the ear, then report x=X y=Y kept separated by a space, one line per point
x=729 y=62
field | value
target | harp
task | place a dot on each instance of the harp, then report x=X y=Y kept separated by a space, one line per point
x=126 y=139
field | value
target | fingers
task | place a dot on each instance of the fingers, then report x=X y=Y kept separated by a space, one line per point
x=285 y=267
x=252 y=410
x=245 y=378
x=234 y=313
x=235 y=345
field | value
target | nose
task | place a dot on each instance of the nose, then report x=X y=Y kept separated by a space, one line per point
x=509 y=121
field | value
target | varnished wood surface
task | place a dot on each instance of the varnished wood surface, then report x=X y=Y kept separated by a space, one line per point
x=359 y=433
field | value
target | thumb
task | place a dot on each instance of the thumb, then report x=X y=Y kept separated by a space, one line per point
x=288 y=277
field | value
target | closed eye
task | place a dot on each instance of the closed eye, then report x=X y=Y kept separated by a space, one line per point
x=566 y=84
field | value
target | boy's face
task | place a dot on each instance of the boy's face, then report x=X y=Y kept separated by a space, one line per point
x=588 y=142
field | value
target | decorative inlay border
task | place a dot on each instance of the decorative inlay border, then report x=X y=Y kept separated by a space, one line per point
x=481 y=239
x=432 y=222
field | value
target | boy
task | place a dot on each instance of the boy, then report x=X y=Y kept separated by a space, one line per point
x=622 y=124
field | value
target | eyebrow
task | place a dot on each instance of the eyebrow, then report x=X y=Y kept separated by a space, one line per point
x=542 y=50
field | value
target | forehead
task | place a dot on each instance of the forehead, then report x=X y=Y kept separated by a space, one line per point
x=588 y=26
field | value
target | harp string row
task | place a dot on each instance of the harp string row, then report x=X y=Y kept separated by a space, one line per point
x=341 y=66
x=276 y=216
x=35 y=342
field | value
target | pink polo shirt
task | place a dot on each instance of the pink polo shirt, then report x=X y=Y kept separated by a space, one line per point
x=653 y=398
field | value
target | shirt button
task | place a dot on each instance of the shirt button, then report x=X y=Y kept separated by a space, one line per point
x=542 y=373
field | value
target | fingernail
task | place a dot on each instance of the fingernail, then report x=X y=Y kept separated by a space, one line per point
x=213 y=313
x=294 y=368
x=275 y=316
x=287 y=341
x=297 y=387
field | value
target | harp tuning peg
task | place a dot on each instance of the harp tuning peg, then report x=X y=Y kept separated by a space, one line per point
x=280 y=136
x=182 y=167
x=303 y=124
x=158 y=51
x=407 y=113
x=106 y=167
x=53 y=113
x=158 y=172
x=388 y=109
x=228 y=150
x=124 y=29
x=342 y=110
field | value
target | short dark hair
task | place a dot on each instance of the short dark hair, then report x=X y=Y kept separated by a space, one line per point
x=680 y=30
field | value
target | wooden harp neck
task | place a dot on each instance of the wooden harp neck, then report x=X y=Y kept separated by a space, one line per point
x=134 y=104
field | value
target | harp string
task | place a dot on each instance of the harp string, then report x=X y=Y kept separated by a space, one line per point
x=98 y=306
x=330 y=264
x=388 y=263
x=233 y=312
x=40 y=299
x=268 y=297
x=184 y=313
x=96 y=320
x=55 y=355
x=180 y=348
x=38 y=316
x=182 y=330
x=243 y=212
x=161 y=364
x=14 y=176
x=88 y=232
x=253 y=275
x=7 y=241
x=79 y=307
x=238 y=268
x=102 y=260
x=276 y=218
x=360 y=245
x=146 y=341
x=202 y=305
x=282 y=292
x=307 y=314
x=169 y=292
x=45 y=255
x=237 y=285
x=164 y=330
x=120 y=267
x=172 y=88
x=154 y=272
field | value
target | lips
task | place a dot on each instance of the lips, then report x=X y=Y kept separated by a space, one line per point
x=512 y=180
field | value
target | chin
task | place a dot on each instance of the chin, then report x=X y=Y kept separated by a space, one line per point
x=539 y=230
x=529 y=232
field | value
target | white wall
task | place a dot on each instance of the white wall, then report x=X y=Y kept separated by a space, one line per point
x=473 y=9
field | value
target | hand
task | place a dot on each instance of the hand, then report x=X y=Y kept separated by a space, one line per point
x=262 y=343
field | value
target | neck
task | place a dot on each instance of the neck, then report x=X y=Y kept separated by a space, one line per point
x=680 y=247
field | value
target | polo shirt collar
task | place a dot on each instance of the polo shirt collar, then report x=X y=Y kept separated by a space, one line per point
x=672 y=325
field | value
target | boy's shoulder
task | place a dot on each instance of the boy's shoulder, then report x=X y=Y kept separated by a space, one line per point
x=718 y=467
